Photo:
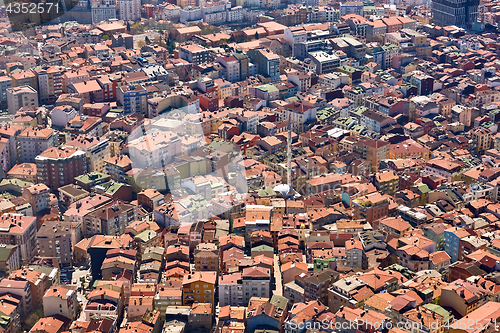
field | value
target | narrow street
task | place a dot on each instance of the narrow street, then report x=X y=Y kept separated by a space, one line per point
x=77 y=274
x=277 y=277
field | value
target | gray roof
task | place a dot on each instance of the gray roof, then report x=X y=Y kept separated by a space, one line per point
x=280 y=302
x=5 y=251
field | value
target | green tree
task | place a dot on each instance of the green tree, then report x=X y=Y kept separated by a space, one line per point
x=159 y=36
x=138 y=27
x=170 y=45
x=208 y=29
x=141 y=43
x=128 y=26
x=32 y=319
x=256 y=35
x=105 y=37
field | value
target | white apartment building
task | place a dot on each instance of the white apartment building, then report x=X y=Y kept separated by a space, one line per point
x=34 y=141
x=256 y=282
x=232 y=66
x=103 y=12
x=18 y=97
x=235 y=14
x=129 y=10
x=230 y=290
x=61 y=115
x=167 y=11
x=60 y=300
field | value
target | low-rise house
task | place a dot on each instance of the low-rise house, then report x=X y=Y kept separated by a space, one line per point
x=60 y=300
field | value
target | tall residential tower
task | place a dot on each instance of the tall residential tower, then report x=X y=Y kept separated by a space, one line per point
x=461 y=13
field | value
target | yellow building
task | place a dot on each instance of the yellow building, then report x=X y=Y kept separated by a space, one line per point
x=54 y=76
x=24 y=120
x=372 y=150
x=198 y=287
x=482 y=138
x=387 y=182
x=24 y=78
x=186 y=3
x=223 y=89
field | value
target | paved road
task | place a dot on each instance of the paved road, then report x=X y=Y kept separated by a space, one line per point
x=277 y=277
x=77 y=274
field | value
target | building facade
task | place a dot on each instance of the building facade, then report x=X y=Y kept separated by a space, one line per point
x=57 y=167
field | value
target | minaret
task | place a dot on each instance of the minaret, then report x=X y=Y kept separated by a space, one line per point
x=289 y=153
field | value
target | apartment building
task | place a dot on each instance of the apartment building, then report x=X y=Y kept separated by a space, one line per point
x=355 y=254
x=103 y=12
x=230 y=290
x=10 y=258
x=24 y=78
x=5 y=83
x=129 y=10
x=38 y=282
x=62 y=114
x=111 y=219
x=150 y=198
x=104 y=302
x=117 y=167
x=232 y=66
x=195 y=54
x=448 y=13
x=72 y=77
x=340 y=294
x=206 y=261
x=97 y=151
x=372 y=150
x=316 y=285
x=371 y=207
x=56 y=239
x=84 y=125
x=482 y=139
x=22 y=291
x=22 y=96
x=57 y=167
x=198 y=287
x=300 y=113
x=133 y=98
x=49 y=83
x=256 y=283
x=168 y=294
x=20 y=230
x=37 y=196
x=268 y=63
x=60 y=300
x=34 y=141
